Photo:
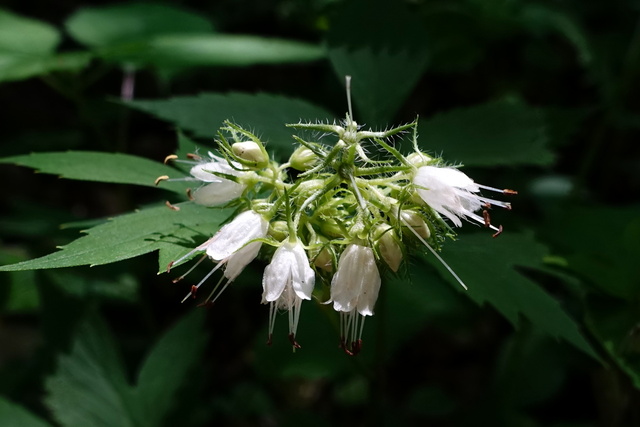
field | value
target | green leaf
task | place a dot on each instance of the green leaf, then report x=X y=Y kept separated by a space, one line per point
x=487 y=266
x=15 y=415
x=20 y=66
x=605 y=257
x=386 y=57
x=167 y=366
x=265 y=115
x=497 y=133
x=27 y=36
x=89 y=386
x=190 y=50
x=27 y=49
x=131 y=235
x=127 y=22
x=615 y=325
x=19 y=287
x=123 y=287
x=103 y=167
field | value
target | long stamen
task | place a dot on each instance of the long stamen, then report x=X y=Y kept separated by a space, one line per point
x=272 y=320
x=203 y=280
x=177 y=279
x=500 y=203
x=480 y=220
x=438 y=257
x=497 y=190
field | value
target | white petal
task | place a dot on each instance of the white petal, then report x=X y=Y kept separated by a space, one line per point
x=203 y=171
x=240 y=259
x=357 y=282
x=218 y=193
x=304 y=277
x=247 y=226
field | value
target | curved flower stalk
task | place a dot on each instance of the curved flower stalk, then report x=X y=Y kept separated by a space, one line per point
x=355 y=213
x=287 y=280
x=354 y=291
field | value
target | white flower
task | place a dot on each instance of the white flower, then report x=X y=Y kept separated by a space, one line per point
x=218 y=190
x=244 y=228
x=356 y=284
x=354 y=291
x=287 y=280
x=453 y=194
x=233 y=245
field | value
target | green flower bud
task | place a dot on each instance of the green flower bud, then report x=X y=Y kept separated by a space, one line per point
x=279 y=230
x=418 y=159
x=303 y=159
x=251 y=152
x=388 y=246
x=415 y=221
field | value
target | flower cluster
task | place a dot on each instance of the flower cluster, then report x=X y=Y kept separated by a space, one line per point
x=337 y=212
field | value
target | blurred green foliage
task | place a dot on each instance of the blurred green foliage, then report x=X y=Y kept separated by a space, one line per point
x=540 y=96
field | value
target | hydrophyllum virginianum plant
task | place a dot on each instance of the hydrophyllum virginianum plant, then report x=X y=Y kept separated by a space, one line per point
x=338 y=212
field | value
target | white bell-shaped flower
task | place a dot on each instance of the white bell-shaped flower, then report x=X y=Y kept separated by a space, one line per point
x=354 y=291
x=287 y=280
x=218 y=190
x=247 y=226
x=233 y=246
x=356 y=284
x=453 y=194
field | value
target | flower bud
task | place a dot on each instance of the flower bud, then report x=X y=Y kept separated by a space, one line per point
x=324 y=260
x=418 y=159
x=279 y=230
x=415 y=221
x=388 y=246
x=303 y=159
x=251 y=152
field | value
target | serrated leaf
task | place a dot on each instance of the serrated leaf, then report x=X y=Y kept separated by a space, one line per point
x=103 y=167
x=15 y=415
x=487 y=266
x=497 y=133
x=190 y=50
x=264 y=114
x=127 y=22
x=130 y=235
x=89 y=386
x=385 y=58
x=166 y=367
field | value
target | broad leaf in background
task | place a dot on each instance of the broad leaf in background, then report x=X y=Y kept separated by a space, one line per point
x=90 y=387
x=131 y=235
x=129 y=22
x=497 y=133
x=15 y=415
x=487 y=266
x=27 y=48
x=167 y=365
x=617 y=328
x=384 y=65
x=103 y=167
x=175 y=51
x=263 y=114
x=606 y=257
x=541 y=19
